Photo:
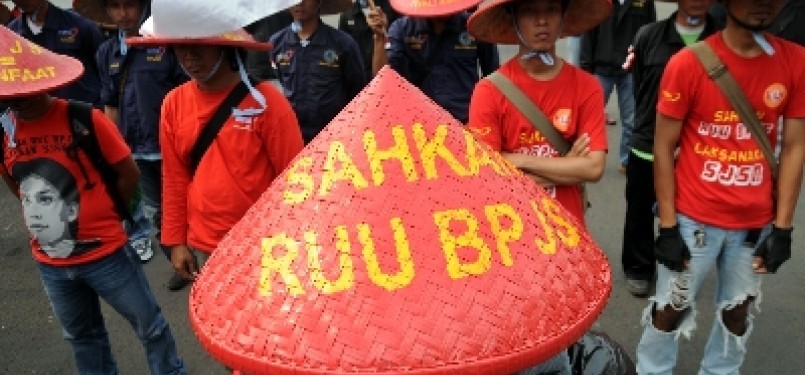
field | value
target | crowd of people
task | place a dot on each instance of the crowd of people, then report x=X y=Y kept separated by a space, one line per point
x=191 y=133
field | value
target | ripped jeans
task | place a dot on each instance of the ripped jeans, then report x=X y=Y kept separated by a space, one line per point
x=709 y=246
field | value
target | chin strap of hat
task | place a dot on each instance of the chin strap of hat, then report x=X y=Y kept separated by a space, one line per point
x=121 y=36
x=256 y=94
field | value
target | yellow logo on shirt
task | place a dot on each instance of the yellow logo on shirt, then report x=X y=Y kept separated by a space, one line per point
x=671 y=96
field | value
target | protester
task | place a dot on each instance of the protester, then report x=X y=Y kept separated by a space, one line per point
x=570 y=98
x=652 y=48
x=354 y=22
x=77 y=238
x=433 y=50
x=206 y=190
x=134 y=82
x=603 y=51
x=320 y=68
x=65 y=33
x=716 y=199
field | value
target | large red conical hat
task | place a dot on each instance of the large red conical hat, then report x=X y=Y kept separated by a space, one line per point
x=395 y=243
x=28 y=69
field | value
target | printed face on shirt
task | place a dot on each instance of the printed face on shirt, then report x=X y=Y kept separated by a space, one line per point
x=125 y=13
x=540 y=22
x=199 y=60
x=755 y=14
x=306 y=10
x=48 y=215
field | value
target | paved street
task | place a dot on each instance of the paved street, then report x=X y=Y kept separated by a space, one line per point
x=30 y=338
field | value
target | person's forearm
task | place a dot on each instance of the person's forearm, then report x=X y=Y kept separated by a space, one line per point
x=792 y=159
x=562 y=170
x=664 y=181
x=379 y=58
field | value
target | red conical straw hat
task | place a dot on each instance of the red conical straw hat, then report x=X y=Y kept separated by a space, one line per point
x=27 y=69
x=395 y=243
x=492 y=21
x=419 y=8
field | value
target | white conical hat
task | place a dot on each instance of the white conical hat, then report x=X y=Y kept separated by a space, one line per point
x=202 y=18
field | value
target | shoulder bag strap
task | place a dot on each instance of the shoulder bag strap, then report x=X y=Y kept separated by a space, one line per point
x=215 y=124
x=718 y=72
x=530 y=111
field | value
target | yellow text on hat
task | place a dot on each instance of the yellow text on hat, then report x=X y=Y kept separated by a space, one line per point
x=341 y=168
x=555 y=229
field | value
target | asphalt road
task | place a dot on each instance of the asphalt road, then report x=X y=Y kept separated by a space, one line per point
x=30 y=338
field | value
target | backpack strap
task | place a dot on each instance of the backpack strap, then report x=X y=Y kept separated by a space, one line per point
x=213 y=127
x=82 y=129
x=718 y=72
x=530 y=111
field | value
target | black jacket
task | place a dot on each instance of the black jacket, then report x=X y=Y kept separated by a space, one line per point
x=654 y=45
x=603 y=49
x=790 y=22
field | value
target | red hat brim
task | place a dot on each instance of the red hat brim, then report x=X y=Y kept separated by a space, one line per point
x=492 y=22
x=28 y=69
x=419 y=8
x=152 y=41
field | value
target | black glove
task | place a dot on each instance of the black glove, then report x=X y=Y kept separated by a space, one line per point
x=670 y=249
x=775 y=248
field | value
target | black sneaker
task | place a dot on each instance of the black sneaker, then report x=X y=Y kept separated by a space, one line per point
x=177 y=282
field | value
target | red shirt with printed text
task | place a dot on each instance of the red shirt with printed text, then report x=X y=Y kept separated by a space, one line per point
x=721 y=176
x=573 y=101
x=98 y=228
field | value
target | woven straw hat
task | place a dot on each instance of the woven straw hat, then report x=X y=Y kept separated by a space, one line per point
x=492 y=22
x=5 y=14
x=396 y=243
x=95 y=11
x=419 y=8
x=27 y=69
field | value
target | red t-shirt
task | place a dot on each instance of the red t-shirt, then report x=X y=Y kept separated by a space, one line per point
x=573 y=101
x=722 y=176
x=248 y=153
x=70 y=215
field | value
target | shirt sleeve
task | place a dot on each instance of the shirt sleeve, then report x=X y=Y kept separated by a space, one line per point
x=175 y=180
x=796 y=106
x=591 y=115
x=284 y=140
x=485 y=114
x=674 y=98
x=396 y=49
x=354 y=72
x=109 y=95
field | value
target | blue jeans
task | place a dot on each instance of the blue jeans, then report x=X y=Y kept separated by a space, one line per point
x=709 y=246
x=119 y=279
x=623 y=83
x=151 y=185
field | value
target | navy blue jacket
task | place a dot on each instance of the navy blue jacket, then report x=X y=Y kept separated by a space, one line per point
x=443 y=66
x=149 y=74
x=319 y=79
x=67 y=33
